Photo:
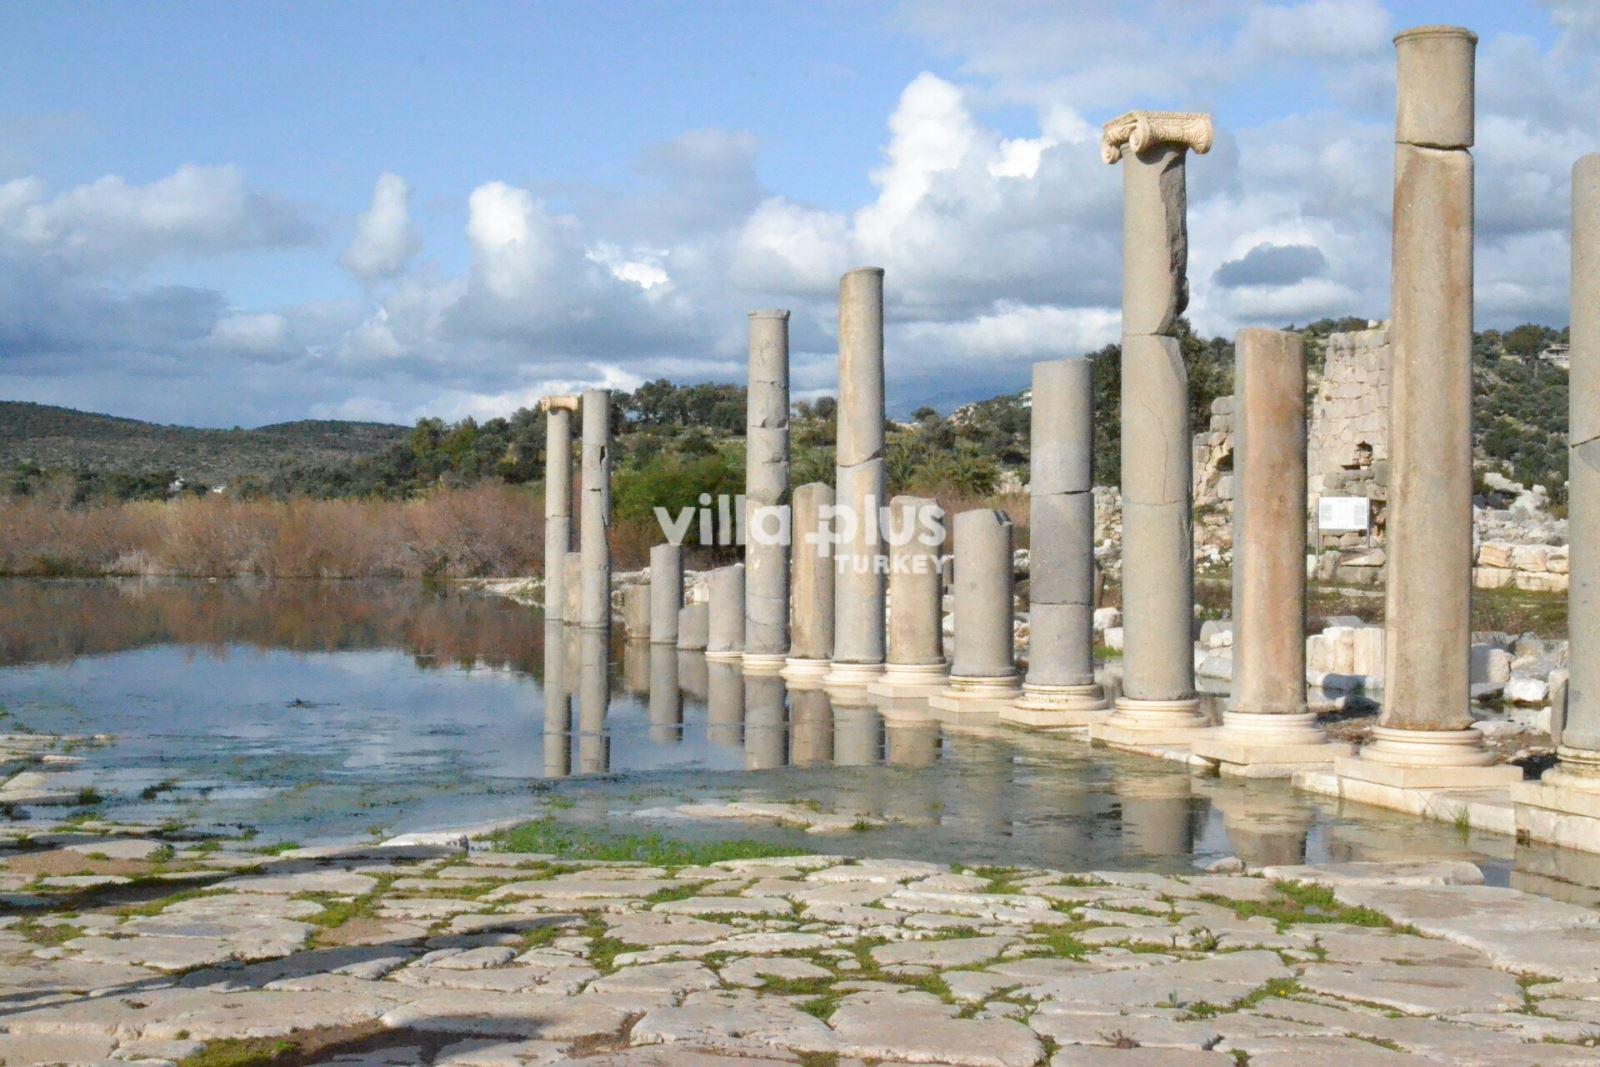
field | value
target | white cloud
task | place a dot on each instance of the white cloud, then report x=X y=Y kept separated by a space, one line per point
x=385 y=237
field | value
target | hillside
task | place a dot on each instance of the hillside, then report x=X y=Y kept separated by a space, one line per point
x=55 y=438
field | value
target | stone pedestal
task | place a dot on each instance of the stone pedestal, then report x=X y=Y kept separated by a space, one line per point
x=1159 y=706
x=666 y=593
x=859 y=578
x=1563 y=808
x=1424 y=740
x=916 y=664
x=1268 y=733
x=811 y=567
x=983 y=673
x=557 y=501
x=725 y=639
x=1060 y=690
x=595 y=605
x=766 y=552
x=694 y=627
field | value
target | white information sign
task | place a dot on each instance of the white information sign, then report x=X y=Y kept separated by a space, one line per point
x=1344 y=514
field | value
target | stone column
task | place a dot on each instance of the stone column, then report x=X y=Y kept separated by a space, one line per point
x=1423 y=737
x=983 y=674
x=916 y=664
x=766 y=492
x=1159 y=705
x=725 y=641
x=1564 y=807
x=1060 y=689
x=811 y=621
x=859 y=579
x=1267 y=731
x=596 y=512
x=557 y=703
x=572 y=588
x=666 y=593
x=694 y=627
x=666 y=699
x=636 y=611
x=557 y=501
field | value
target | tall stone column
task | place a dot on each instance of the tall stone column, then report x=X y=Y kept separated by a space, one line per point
x=725 y=641
x=596 y=511
x=859 y=579
x=916 y=665
x=1158 y=705
x=557 y=501
x=1060 y=689
x=1267 y=731
x=766 y=492
x=666 y=593
x=1423 y=737
x=572 y=588
x=983 y=672
x=811 y=619
x=1564 y=807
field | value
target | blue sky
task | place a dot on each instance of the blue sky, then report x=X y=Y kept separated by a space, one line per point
x=230 y=214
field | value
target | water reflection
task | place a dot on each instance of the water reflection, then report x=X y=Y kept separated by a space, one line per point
x=312 y=711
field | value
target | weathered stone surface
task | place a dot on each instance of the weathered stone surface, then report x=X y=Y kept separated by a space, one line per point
x=1416 y=989
x=735 y=1021
x=906 y=1028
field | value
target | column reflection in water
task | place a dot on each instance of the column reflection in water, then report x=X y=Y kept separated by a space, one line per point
x=766 y=731
x=693 y=677
x=666 y=699
x=1264 y=830
x=636 y=667
x=857 y=735
x=1157 y=814
x=557 y=704
x=912 y=741
x=594 y=696
x=810 y=726
x=724 y=703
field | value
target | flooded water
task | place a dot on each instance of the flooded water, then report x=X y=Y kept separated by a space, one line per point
x=322 y=711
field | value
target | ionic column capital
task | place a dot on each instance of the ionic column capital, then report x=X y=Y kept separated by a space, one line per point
x=1140 y=130
x=559 y=403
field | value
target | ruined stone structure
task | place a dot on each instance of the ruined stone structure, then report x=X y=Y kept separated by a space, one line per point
x=766 y=556
x=557 y=503
x=811 y=565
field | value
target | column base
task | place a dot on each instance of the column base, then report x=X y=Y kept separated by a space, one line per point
x=725 y=655
x=1055 y=706
x=1255 y=745
x=1563 y=807
x=1427 y=759
x=798 y=668
x=849 y=680
x=1143 y=724
x=672 y=641
x=976 y=696
x=910 y=680
x=764 y=662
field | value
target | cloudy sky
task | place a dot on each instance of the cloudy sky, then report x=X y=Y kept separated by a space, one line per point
x=237 y=214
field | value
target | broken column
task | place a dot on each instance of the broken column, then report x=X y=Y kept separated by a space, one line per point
x=1267 y=731
x=1423 y=738
x=725 y=637
x=983 y=672
x=1158 y=705
x=694 y=627
x=557 y=501
x=636 y=611
x=859 y=579
x=766 y=490
x=1563 y=808
x=666 y=593
x=811 y=562
x=596 y=510
x=915 y=659
x=1060 y=689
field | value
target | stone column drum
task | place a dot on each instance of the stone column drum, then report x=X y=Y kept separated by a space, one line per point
x=1158 y=705
x=596 y=511
x=916 y=665
x=1060 y=689
x=811 y=562
x=1564 y=806
x=1423 y=737
x=725 y=639
x=572 y=588
x=666 y=593
x=983 y=672
x=859 y=579
x=557 y=501
x=766 y=491
x=1267 y=731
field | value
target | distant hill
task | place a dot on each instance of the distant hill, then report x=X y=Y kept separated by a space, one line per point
x=58 y=438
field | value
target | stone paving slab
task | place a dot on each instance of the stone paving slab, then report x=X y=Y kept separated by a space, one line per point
x=444 y=955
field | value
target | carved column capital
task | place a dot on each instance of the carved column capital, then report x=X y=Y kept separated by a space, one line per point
x=559 y=403
x=1140 y=130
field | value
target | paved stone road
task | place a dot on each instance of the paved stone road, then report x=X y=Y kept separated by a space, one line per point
x=413 y=954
